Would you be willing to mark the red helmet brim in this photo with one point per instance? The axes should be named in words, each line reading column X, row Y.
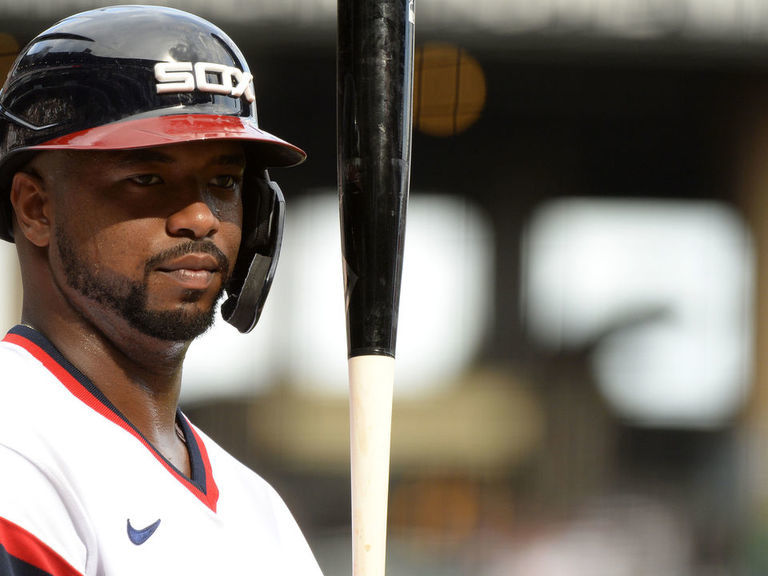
column 161, row 130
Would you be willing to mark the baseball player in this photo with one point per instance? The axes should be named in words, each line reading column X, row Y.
column 133, row 183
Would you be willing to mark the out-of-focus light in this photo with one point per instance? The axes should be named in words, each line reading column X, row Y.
column 310, row 296
column 448, row 90
column 612, row 536
column 660, row 291
column 9, row 48
column 445, row 294
column 10, row 287
column 225, row 363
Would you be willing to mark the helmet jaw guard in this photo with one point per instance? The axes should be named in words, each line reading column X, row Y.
column 127, row 77
column 257, row 260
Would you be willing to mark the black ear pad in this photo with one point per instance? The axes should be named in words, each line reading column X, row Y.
column 263, row 221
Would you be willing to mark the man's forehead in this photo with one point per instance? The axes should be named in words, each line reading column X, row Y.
column 204, row 152
column 199, row 154
column 212, row 152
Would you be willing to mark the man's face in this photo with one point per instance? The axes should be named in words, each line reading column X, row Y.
column 147, row 236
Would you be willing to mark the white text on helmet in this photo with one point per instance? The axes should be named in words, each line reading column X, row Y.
column 204, row 76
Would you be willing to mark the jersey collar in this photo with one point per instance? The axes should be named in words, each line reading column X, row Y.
column 201, row 483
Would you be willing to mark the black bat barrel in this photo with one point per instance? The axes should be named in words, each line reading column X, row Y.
column 374, row 92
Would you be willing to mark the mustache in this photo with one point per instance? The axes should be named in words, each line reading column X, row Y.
column 192, row 247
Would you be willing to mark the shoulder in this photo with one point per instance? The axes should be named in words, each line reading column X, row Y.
column 41, row 528
column 21, row 369
column 14, row 356
column 31, row 396
column 24, row 386
column 40, row 418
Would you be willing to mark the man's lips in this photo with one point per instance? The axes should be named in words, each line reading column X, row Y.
column 193, row 271
column 191, row 262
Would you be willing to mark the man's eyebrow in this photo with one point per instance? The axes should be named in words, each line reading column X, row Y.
column 229, row 159
column 132, row 157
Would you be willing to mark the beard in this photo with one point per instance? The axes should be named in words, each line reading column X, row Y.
column 128, row 298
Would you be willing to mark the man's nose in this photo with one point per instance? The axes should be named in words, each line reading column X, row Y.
column 196, row 218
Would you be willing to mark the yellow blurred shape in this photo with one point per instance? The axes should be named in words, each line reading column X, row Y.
column 446, row 507
column 449, row 89
column 9, row 49
column 482, row 425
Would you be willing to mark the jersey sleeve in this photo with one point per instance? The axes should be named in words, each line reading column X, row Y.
column 37, row 534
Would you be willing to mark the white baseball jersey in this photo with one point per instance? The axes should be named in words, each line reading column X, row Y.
column 82, row 492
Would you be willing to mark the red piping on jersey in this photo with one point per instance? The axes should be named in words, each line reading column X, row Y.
column 28, row 548
column 210, row 497
column 212, row 490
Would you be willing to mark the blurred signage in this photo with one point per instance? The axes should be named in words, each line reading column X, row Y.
column 716, row 19
column 626, row 18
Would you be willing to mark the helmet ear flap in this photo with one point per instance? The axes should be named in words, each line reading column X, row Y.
column 263, row 221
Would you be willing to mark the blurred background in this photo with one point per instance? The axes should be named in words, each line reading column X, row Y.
column 579, row 387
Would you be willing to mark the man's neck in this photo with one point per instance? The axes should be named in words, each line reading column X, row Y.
column 139, row 375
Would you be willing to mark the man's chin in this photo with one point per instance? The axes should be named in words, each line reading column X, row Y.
column 172, row 326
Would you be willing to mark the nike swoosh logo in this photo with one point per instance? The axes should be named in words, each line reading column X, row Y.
column 141, row 535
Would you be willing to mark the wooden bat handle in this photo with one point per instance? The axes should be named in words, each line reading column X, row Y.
column 374, row 99
column 371, row 381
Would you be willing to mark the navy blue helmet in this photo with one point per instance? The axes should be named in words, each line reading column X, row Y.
column 127, row 77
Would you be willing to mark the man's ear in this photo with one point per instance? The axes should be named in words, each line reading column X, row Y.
column 31, row 206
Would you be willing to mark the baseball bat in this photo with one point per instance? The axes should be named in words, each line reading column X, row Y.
column 374, row 111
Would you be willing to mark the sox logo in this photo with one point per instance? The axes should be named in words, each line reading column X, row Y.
column 204, row 76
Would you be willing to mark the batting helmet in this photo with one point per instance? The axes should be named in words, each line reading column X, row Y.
column 127, row 77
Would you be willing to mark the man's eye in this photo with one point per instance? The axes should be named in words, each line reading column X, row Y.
column 225, row 181
column 147, row 179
